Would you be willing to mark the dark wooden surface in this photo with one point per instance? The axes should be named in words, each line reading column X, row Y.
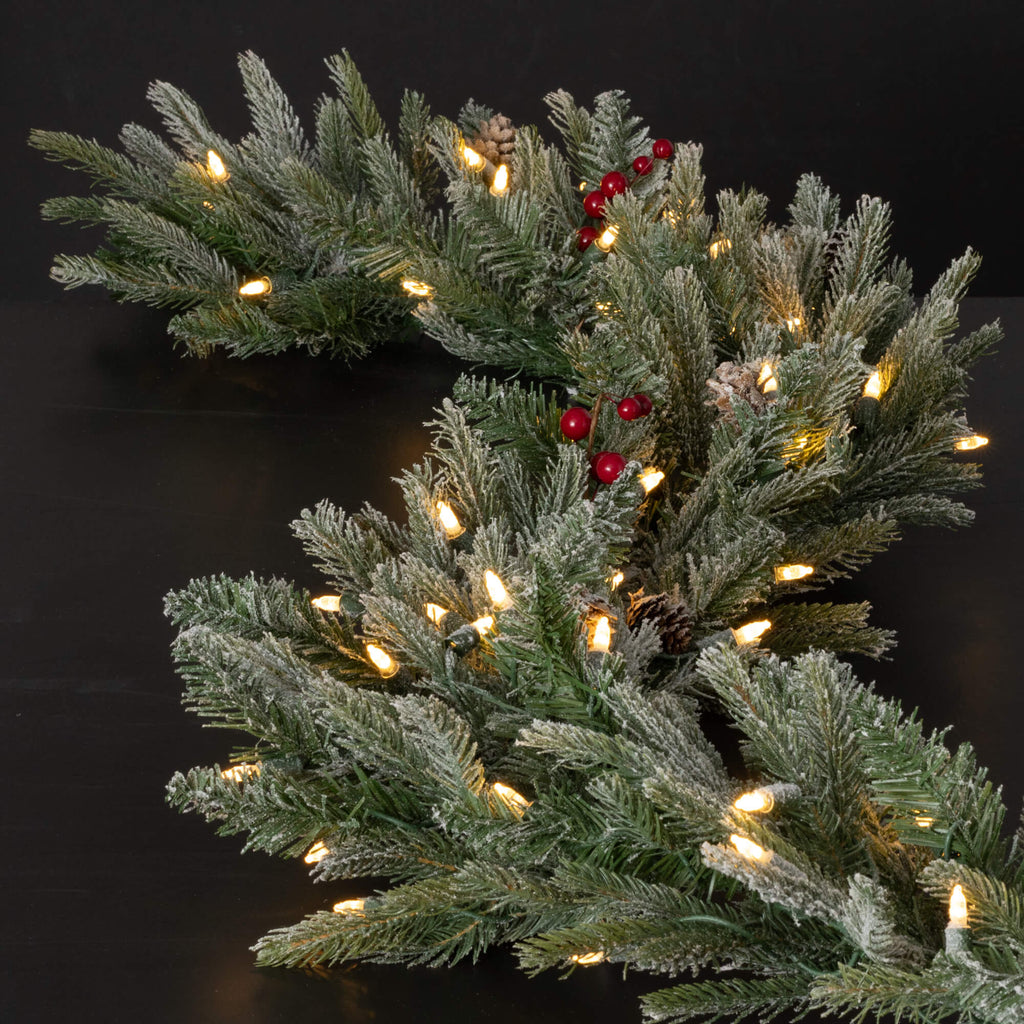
column 125, row 471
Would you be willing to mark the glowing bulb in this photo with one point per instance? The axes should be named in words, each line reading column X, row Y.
column 449, row 520
column 751, row 631
column 510, row 798
column 215, row 167
column 757, row 801
column 749, row 849
column 354, row 907
column 766, row 379
column 483, row 625
column 957, row 908
column 500, row 184
column 650, row 478
column 792, row 323
column 784, row 573
column 601, row 641
column 259, row 286
column 383, row 662
column 873, row 386
column 717, row 248
column 616, row 580
column 588, row 959
column 435, row 613
column 606, row 239
column 208, row 205
column 968, row 444
column 418, row 288
column 327, row 603
column 241, row 772
column 316, row 853
column 583, row 186
column 924, row 822
column 474, row 161
column 496, row 590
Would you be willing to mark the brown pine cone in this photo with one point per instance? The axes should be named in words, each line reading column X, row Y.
column 736, row 379
column 669, row 615
column 496, row 140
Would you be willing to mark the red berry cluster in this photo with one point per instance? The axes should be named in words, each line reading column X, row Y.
column 577, row 422
column 615, row 183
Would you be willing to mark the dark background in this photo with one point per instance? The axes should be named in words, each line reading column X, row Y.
column 126, row 470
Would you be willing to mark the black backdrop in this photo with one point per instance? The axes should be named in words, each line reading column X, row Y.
column 125, row 470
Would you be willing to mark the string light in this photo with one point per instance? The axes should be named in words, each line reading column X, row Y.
column 327, row 603
column 500, row 184
column 353, row 907
column 923, row 821
column 958, row 932
column 766, row 379
column 474, row 161
column 601, row 641
column 583, row 186
column 792, row 323
column 513, row 800
column 873, row 386
column 316, row 853
column 615, row 581
column 383, row 662
column 758, row 801
column 749, row 849
column 215, row 166
column 717, row 248
column 435, row 612
column 968, row 444
column 241, row 772
column 449, row 520
column 418, row 288
column 588, row 959
column 258, row 286
column 496, row 590
column 606, row 239
column 650, row 478
column 484, row 624
column 751, row 631
column 786, row 573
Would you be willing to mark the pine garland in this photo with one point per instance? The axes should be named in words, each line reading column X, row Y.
column 513, row 779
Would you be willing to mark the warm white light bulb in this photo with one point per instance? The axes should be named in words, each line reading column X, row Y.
column 957, row 908
column 749, row 849
column 418, row 288
column 383, row 662
column 606, row 239
column 254, row 288
column 327, row 603
column 602, row 638
column 717, row 248
column 500, row 184
column 616, row 580
column 766, row 379
column 241, row 772
column 496, row 590
column 484, row 624
column 968, row 444
column 474, row 161
column 785, row 573
column 873, row 386
column 353, row 907
column 923, row 821
column 650, row 478
column 449, row 520
column 757, row 801
column 316, row 853
column 588, row 959
column 751, row 631
column 510, row 798
column 435, row 612
column 215, row 166
column 792, row 323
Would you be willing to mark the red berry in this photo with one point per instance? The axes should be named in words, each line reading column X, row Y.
column 575, row 423
column 662, row 149
column 587, row 236
column 630, row 409
column 643, row 165
column 593, row 203
column 607, row 466
column 646, row 405
column 614, row 183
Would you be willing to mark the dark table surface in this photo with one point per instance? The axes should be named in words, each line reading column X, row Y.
column 127, row 470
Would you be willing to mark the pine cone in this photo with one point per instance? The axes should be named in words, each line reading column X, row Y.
column 496, row 140
column 736, row 379
column 669, row 615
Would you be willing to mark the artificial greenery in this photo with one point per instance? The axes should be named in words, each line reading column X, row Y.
column 510, row 784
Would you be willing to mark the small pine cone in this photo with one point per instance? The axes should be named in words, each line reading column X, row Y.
column 496, row 140
column 669, row 615
column 735, row 379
